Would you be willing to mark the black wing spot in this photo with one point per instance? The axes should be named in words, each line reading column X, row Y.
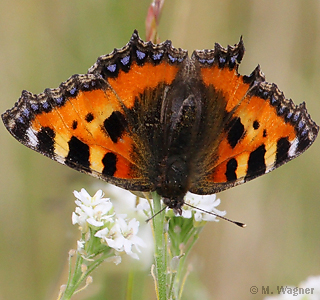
column 79, row 154
column 46, row 141
column 256, row 125
column 115, row 125
column 283, row 146
column 74, row 124
column 232, row 166
column 264, row 132
column 236, row 132
column 89, row 117
column 110, row 164
column 256, row 162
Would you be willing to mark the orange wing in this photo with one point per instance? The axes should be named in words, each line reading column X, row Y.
column 91, row 122
column 260, row 129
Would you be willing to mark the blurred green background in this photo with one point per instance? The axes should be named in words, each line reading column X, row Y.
column 45, row 42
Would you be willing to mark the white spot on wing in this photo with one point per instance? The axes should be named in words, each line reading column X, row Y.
column 33, row 139
column 293, row 148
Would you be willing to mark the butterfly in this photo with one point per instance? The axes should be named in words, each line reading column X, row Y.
column 147, row 117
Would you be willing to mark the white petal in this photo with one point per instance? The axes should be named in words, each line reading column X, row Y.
column 75, row 218
column 94, row 222
column 102, row 233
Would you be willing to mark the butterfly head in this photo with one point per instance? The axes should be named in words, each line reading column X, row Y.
column 174, row 204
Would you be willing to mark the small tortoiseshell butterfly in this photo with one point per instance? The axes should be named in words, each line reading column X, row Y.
column 147, row 117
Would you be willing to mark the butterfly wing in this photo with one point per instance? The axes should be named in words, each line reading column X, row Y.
column 101, row 123
column 110, row 123
column 260, row 129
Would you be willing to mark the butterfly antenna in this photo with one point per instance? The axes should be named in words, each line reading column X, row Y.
column 160, row 211
column 221, row 217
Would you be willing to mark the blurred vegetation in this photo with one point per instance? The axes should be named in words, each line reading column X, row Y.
column 45, row 42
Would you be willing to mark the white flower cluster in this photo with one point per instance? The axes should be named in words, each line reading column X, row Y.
column 95, row 216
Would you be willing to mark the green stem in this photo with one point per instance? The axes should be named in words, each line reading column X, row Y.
column 73, row 281
column 182, row 269
column 171, row 295
column 160, row 248
column 130, row 283
column 78, row 276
